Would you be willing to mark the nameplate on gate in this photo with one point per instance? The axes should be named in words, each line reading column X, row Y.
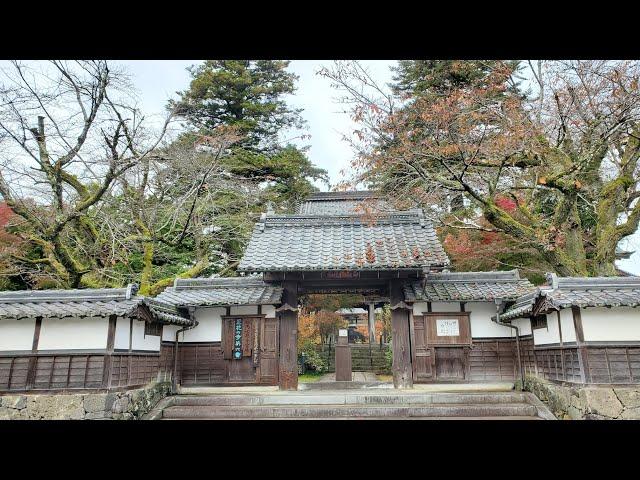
column 343, row 332
column 340, row 275
column 447, row 327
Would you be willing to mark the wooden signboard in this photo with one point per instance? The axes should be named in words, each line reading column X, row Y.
column 447, row 328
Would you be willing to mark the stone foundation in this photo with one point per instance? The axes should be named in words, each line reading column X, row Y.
column 587, row 402
column 127, row 405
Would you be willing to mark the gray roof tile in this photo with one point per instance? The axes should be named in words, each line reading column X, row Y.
column 396, row 240
column 221, row 291
column 565, row 292
column 95, row 302
column 100, row 302
column 468, row 286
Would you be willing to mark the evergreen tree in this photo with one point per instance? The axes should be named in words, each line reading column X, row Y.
column 247, row 94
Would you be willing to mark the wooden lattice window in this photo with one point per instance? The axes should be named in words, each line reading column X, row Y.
column 538, row 321
column 152, row 328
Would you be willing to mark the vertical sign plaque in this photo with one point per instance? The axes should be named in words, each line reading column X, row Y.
column 237, row 339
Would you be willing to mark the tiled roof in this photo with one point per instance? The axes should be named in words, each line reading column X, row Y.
column 468, row 286
column 592, row 292
column 95, row 302
column 396, row 240
column 523, row 306
column 337, row 203
column 221, row 291
column 166, row 313
column 565, row 292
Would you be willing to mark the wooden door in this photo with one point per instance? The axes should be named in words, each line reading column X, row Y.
column 423, row 358
column 268, row 358
column 239, row 363
column 450, row 363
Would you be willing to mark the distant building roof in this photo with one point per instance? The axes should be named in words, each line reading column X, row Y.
column 394, row 240
column 81, row 303
column 468, row 286
column 221, row 291
column 337, row 203
column 564, row 292
column 351, row 311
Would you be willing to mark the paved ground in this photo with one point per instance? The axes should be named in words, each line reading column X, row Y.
column 356, row 377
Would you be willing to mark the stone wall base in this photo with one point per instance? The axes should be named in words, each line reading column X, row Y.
column 126, row 405
column 587, row 402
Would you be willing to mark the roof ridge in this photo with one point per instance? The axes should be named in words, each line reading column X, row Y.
column 205, row 282
column 465, row 277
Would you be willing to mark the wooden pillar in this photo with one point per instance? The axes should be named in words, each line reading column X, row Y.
column 583, row 356
column 111, row 336
column 372, row 323
column 288, row 314
column 33, row 359
column 400, row 337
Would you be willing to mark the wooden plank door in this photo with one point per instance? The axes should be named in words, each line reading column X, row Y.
column 450, row 363
column 424, row 358
column 239, row 370
column 268, row 360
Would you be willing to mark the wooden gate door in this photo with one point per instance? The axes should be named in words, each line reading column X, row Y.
column 268, row 359
column 423, row 358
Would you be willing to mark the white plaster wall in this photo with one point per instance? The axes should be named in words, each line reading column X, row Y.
column 480, row 314
column 620, row 324
column 17, row 334
column 169, row 333
column 244, row 310
column 551, row 334
column 421, row 307
column 524, row 324
column 73, row 333
column 140, row 341
column 566, row 322
column 269, row 311
column 121, row 340
column 209, row 327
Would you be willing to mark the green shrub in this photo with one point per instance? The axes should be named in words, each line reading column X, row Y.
column 312, row 358
column 388, row 355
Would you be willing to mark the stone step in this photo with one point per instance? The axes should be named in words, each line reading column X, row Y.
column 349, row 398
column 349, row 411
column 512, row 418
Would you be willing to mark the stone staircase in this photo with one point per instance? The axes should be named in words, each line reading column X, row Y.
column 353, row 404
column 363, row 359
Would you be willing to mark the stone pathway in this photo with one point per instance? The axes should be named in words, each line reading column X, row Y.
column 356, row 377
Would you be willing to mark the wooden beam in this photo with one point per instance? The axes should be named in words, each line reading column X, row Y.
column 288, row 361
column 400, row 337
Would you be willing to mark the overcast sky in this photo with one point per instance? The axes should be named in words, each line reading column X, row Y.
column 159, row 80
